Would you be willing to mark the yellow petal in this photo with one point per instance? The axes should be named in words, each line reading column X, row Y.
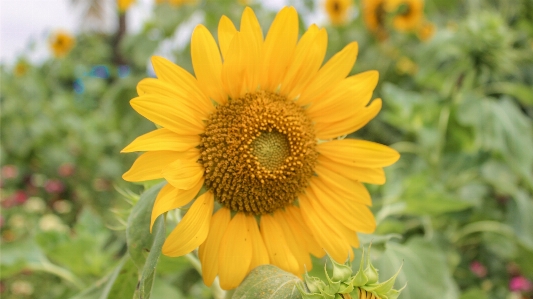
column 226, row 31
column 346, row 99
column 276, row 245
column 234, row 68
column 192, row 229
column 353, row 215
column 361, row 174
column 331, row 240
column 252, row 43
column 259, row 251
column 294, row 242
column 167, row 113
column 189, row 96
column 278, row 48
column 298, row 226
column 162, row 140
column 348, row 125
column 149, row 166
column 305, row 62
column 207, row 63
column 177, row 77
column 336, row 69
column 235, row 253
column 170, row 198
column 360, row 153
column 209, row 250
column 183, row 174
column 342, row 186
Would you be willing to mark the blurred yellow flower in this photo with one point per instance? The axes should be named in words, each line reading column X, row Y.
column 61, row 42
column 426, row 31
column 338, row 10
column 21, row 68
column 408, row 14
column 176, row 2
column 406, row 66
column 374, row 15
column 257, row 128
column 123, row 5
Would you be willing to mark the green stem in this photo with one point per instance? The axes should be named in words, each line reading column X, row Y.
column 483, row 226
column 58, row 271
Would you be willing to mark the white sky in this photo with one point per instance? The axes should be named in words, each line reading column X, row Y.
column 26, row 21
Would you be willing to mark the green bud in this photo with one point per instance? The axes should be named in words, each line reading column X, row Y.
column 360, row 278
column 314, row 284
column 345, row 288
column 386, row 286
column 333, row 286
column 341, row 272
column 370, row 271
column 305, row 295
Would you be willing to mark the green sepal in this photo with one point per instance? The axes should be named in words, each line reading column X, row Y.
column 306, row 295
column 393, row 294
column 384, row 287
column 333, row 286
column 346, row 288
column 360, row 278
column 338, row 296
column 370, row 271
column 341, row 272
column 314, row 284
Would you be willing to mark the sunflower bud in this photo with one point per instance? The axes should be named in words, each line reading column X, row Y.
column 341, row 285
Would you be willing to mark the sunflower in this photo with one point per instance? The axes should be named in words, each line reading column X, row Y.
column 123, row 5
column 176, row 2
column 253, row 137
column 61, row 43
column 374, row 15
column 21, row 68
column 338, row 10
column 426, row 31
column 409, row 14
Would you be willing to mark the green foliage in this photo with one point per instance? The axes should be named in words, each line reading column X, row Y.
column 268, row 282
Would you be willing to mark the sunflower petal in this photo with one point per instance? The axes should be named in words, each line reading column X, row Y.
column 162, row 140
column 170, row 198
column 252, row 43
column 360, row 174
column 192, row 229
column 259, row 251
column 193, row 99
column 293, row 241
column 354, row 215
column 207, row 63
column 278, row 48
column 226, row 32
column 298, row 226
column 332, row 241
column 149, row 166
column 360, row 153
column 346, row 99
column 349, row 125
column 183, row 174
column 305, row 62
column 208, row 251
column 235, row 253
column 182, row 80
column 342, row 186
column 278, row 249
column 336, row 69
column 167, row 113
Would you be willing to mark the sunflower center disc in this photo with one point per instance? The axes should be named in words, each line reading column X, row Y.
column 258, row 152
column 271, row 149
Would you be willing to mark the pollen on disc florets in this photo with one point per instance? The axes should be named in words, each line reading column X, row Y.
column 258, row 152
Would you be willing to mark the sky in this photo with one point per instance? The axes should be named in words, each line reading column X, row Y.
column 24, row 21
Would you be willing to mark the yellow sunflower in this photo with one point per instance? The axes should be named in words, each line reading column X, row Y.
column 409, row 14
column 176, row 2
column 426, row 31
column 61, row 43
column 374, row 15
column 253, row 137
column 123, row 5
column 21, row 68
column 338, row 10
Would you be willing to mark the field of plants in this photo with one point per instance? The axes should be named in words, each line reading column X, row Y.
column 454, row 217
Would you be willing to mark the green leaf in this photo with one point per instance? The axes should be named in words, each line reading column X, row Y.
column 424, row 268
column 138, row 230
column 519, row 218
column 144, row 287
column 268, row 282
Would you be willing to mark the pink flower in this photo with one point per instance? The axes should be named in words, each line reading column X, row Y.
column 478, row 269
column 9, row 171
column 20, row 197
column 54, row 186
column 66, row 169
column 520, row 284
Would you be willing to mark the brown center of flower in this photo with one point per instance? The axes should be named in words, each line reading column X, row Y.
column 259, row 152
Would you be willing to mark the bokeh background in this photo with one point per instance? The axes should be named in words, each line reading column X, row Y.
column 456, row 79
